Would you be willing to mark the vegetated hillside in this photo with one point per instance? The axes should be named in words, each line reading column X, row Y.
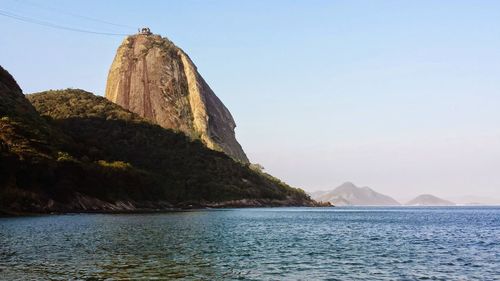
column 88, row 154
column 177, row 168
column 37, row 171
column 22, row 130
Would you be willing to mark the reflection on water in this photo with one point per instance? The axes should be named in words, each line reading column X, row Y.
column 458, row 243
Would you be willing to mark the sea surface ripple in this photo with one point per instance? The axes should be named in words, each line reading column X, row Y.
column 372, row 243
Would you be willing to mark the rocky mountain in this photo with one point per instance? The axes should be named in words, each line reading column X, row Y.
column 349, row 194
column 429, row 200
column 71, row 151
column 154, row 78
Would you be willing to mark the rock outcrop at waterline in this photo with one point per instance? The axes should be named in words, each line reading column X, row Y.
column 154, row 78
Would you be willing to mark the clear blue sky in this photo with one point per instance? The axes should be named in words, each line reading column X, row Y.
column 402, row 96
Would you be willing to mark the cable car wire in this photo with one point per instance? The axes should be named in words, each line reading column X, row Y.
column 49, row 24
column 56, row 10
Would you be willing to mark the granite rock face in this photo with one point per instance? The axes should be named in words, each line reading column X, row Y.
column 154, row 78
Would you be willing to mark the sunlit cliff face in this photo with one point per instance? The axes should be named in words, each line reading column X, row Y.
column 157, row 80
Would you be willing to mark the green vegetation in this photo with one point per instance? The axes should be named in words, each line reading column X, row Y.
column 186, row 169
column 78, row 145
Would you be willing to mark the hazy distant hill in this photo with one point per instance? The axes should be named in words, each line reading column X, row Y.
column 349, row 194
column 429, row 200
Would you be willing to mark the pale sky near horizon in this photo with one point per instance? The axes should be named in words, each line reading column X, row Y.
column 401, row 96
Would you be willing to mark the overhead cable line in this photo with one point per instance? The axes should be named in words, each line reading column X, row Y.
column 49, row 24
column 56, row 10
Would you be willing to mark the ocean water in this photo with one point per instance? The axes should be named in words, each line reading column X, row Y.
column 455, row 243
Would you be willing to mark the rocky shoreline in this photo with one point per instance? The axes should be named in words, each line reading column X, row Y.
column 85, row 204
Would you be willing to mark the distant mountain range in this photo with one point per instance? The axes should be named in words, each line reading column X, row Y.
column 429, row 200
column 348, row 194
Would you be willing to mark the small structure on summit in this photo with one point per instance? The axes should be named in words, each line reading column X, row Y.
column 145, row 31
